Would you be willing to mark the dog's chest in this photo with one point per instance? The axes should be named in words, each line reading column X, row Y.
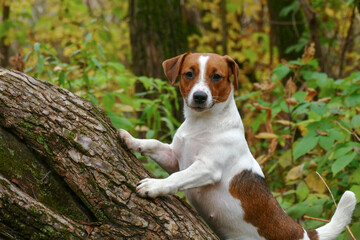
column 187, row 147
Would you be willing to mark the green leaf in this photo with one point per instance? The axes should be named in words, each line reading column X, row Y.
column 326, row 142
column 312, row 208
column 93, row 99
column 74, row 53
column 290, row 8
column 342, row 162
column 62, row 78
column 352, row 100
column 318, row 107
column 342, row 151
column 302, row 191
column 336, row 135
column 37, row 48
column 281, row 71
column 40, row 65
column 355, row 177
column 97, row 63
column 87, row 38
column 109, row 101
column 356, row 189
column 305, row 145
column 150, row 134
column 356, row 121
column 86, row 79
column 119, row 121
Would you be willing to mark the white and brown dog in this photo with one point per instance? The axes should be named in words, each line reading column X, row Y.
column 210, row 160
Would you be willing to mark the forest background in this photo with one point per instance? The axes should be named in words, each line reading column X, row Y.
column 300, row 77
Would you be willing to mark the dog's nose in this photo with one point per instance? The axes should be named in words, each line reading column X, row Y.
column 200, row 97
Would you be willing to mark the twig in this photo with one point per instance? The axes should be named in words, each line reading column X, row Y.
column 317, row 219
column 347, row 130
column 332, row 196
column 347, row 227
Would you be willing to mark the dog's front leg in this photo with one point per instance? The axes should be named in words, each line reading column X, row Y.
column 160, row 152
column 197, row 175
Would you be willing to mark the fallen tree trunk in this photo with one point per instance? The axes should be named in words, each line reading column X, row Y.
column 65, row 175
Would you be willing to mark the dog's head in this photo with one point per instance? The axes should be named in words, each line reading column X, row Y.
column 204, row 78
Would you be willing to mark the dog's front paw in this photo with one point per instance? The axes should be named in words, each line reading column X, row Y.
column 129, row 140
column 151, row 187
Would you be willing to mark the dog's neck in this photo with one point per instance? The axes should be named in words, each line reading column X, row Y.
column 221, row 114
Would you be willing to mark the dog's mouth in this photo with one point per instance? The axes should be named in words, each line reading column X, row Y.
column 200, row 108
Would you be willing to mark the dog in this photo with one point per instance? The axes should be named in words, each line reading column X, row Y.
column 210, row 161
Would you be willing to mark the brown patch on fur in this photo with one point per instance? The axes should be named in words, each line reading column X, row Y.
column 191, row 64
column 220, row 89
column 172, row 67
column 262, row 210
column 313, row 235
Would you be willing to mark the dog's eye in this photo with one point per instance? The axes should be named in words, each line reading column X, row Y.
column 216, row 77
column 189, row 75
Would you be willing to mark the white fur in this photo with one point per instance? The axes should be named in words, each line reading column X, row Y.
column 201, row 84
column 207, row 151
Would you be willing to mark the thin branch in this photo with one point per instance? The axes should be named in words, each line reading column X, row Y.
column 286, row 23
column 348, row 131
column 332, row 196
column 316, row 219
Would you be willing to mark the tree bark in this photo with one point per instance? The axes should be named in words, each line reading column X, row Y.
column 65, row 175
column 285, row 30
column 157, row 32
column 314, row 31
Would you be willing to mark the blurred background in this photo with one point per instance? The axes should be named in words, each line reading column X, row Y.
column 299, row 90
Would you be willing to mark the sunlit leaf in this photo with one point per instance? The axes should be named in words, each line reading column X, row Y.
column 342, row 162
column 305, row 145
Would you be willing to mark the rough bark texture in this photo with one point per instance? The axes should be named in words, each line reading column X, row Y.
column 314, row 26
column 158, row 32
column 65, row 175
column 285, row 30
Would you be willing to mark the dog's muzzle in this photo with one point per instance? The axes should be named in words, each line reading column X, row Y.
column 199, row 102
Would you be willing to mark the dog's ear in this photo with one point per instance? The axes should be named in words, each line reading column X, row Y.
column 234, row 69
column 172, row 67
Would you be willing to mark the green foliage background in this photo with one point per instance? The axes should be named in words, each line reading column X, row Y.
column 298, row 120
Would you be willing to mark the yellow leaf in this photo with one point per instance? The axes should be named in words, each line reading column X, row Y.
column 284, row 122
column 123, row 107
column 261, row 158
column 303, row 129
column 295, row 173
column 330, row 12
column 266, row 135
column 142, row 128
column 314, row 183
